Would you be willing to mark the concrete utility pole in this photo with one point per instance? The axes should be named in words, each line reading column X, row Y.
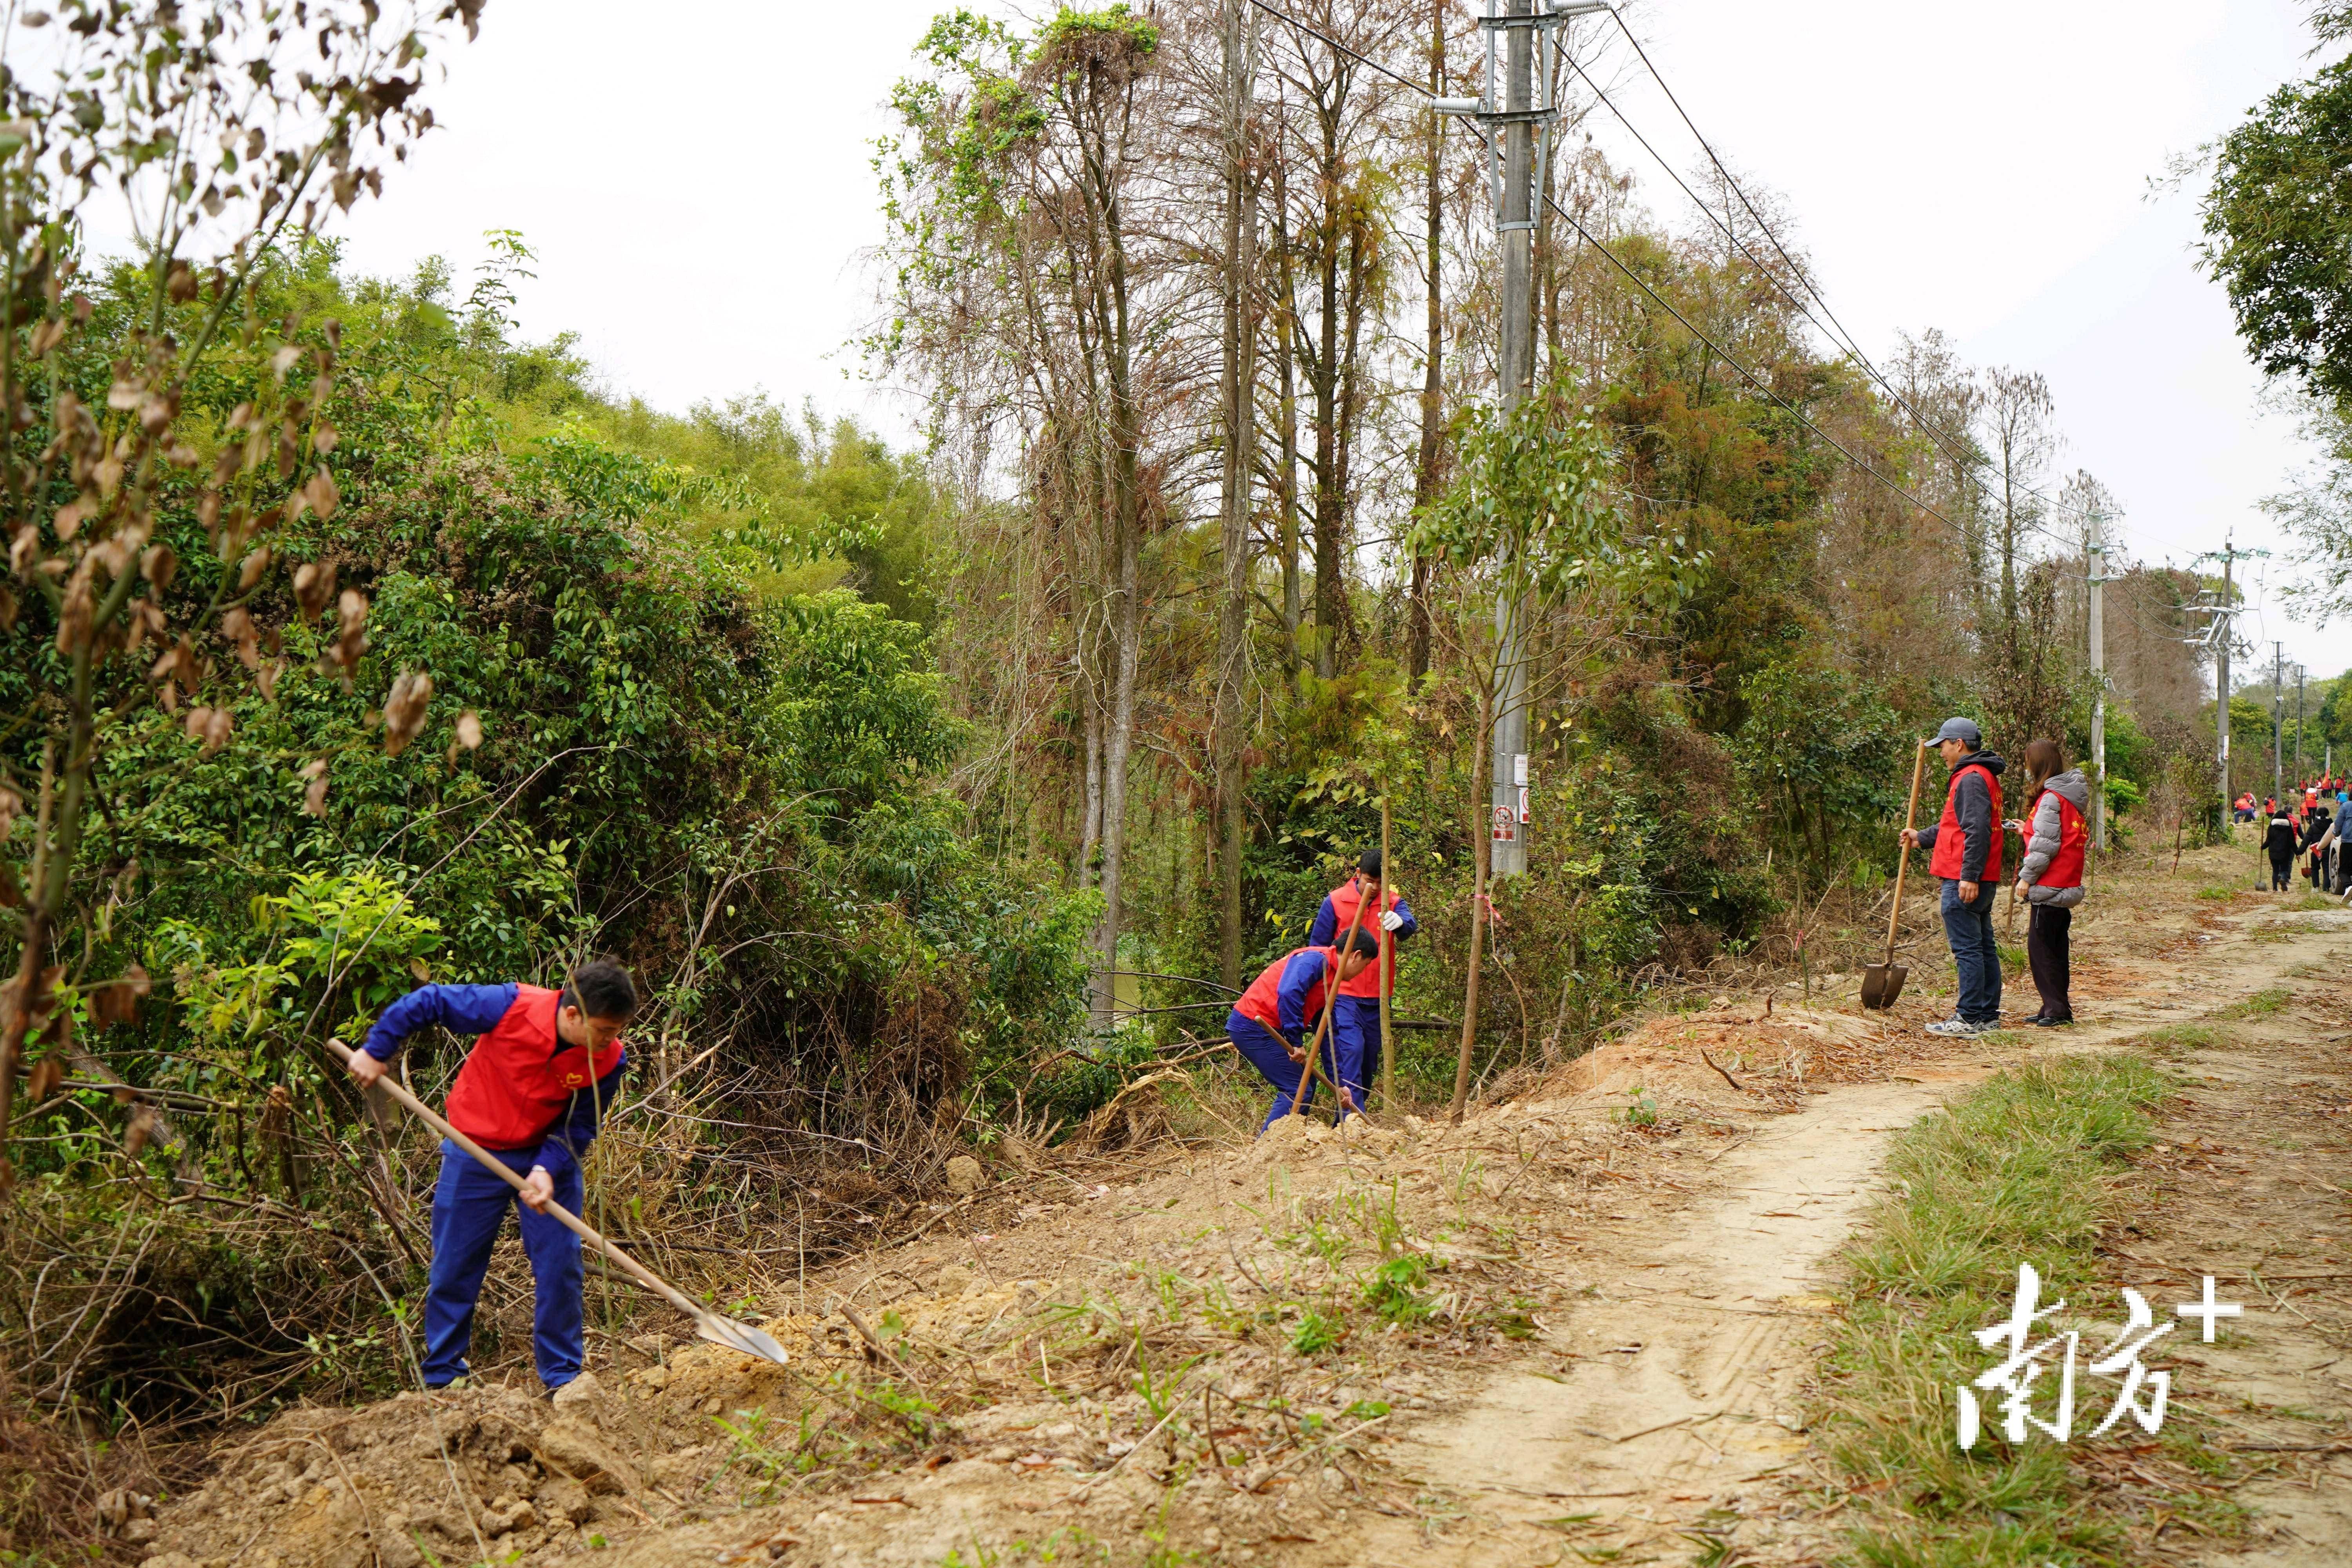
column 2278, row 724
column 1514, row 114
column 2223, row 633
column 2095, row 559
column 2221, row 686
column 2299, row 674
column 1516, row 219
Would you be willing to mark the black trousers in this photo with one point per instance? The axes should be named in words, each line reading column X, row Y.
column 2279, row 864
column 2046, row 955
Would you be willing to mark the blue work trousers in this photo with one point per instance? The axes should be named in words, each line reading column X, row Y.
column 1356, row 1032
column 1267, row 1052
column 1968, row 927
column 470, row 1205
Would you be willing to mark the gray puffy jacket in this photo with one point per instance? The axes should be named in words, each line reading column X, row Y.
column 2042, row 839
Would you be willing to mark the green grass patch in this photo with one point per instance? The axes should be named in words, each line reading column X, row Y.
column 2012, row 958
column 2026, row 1168
column 2190, row 1036
column 2261, row 1005
column 2217, row 891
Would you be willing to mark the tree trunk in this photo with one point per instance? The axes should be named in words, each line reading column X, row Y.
column 1433, row 383
column 1090, row 831
column 1482, row 852
column 1286, row 365
column 1323, row 385
column 1239, row 408
column 1106, row 160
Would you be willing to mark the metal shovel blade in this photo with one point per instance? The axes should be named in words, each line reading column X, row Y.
column 741, row 1336
column 1882, row 984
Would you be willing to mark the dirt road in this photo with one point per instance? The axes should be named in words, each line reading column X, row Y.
column 1557, row 1328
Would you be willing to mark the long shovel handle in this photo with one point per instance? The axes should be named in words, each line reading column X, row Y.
column 1903, row 863
column 570, row 1221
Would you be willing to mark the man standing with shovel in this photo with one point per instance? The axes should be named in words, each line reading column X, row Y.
column 532, row 1091
column 1965, row 854
column 1356, row 1014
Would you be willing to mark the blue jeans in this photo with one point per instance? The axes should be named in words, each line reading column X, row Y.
column 469, row 1206
column 1968, row 927
column 1264, row 1050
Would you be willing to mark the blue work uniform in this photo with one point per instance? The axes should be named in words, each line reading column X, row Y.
column 471, row 1204
column 1356, row 1026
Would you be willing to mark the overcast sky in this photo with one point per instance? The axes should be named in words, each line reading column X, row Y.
column 696, row 179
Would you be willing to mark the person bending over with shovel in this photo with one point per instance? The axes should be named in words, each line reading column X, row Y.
column 533, row 1089
column 1268, row 1025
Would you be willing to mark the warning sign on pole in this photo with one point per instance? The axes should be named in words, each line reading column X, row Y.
column 1506, row 829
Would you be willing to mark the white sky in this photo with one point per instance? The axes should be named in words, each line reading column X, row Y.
column 698, row 190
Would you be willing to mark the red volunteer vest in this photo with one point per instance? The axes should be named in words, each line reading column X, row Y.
column 2065, row 868
column 1263, row 1000
column 1951, row 843
column 519, row 1077
column 1344, row 900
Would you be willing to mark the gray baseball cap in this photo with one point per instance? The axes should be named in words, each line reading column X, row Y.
column 1964, row 731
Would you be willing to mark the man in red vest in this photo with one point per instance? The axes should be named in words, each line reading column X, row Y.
column 1356, row 1026
column 1965, row 854
column 531, row 1092
column 1270, row 1024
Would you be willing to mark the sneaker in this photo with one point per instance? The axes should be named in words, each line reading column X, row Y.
column 2040, row 1022
column 1955, row 1028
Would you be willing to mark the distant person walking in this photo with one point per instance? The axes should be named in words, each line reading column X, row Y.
column 2279, row 841
column 2317, row 821
column 2050, row 878
column 1965, row 855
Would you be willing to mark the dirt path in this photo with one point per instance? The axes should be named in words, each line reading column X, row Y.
column 1696, row 1402
column 1611, row 1348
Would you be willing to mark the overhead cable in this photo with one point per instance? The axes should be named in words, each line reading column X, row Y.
column 1745, row 373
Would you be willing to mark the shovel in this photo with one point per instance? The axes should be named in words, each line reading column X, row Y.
column 1883, row 982
column 719, row 1330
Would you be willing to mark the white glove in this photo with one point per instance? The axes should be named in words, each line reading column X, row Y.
column 1391, row 920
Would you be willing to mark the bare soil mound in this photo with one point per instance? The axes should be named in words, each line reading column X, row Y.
column 1746, row 1055
column 471, row 1475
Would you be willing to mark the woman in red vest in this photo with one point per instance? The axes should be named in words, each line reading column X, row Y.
column 2050, row 879
column 531, row 1092
column 1270, row 1024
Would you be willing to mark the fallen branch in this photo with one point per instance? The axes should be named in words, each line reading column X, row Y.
column 1725, row 1071
column 885, row 1351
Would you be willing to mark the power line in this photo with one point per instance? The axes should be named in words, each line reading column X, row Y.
column 1551, row 201
column 1846, row 340
column 1839, row 337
